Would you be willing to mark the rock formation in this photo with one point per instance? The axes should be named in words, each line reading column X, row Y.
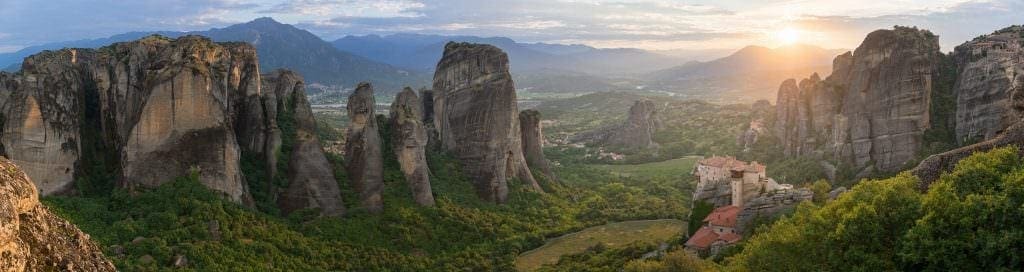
column 636, row 133
column 164, row 107
column 533, row 143
column 990, row 85
column 476, row 117
column 311, row 182
column 872, row 111
column 34, row 239
column 718, row 193
column 409, row 141
column 363, row 157
column 932, row 167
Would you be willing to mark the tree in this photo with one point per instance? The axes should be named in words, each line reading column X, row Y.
column 821, row 188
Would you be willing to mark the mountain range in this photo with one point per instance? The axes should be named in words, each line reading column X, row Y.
column 393, row 61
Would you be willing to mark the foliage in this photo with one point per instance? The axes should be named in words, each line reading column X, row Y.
column 599, row 258
column 675, row 261
column 701, row 210
column 970, row 219
column 821, row 189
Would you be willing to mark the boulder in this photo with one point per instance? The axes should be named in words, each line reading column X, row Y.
column 409, row 141
column 476, row 116
column 34, row 239
column 363, row 157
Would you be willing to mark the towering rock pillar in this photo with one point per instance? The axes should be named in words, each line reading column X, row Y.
column 477, row 118
column 409, row 141
column 363, row 160
column 533, row 143
column 311, row 182
column 990, row 85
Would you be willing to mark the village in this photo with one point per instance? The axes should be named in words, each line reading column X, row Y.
column 738, row 192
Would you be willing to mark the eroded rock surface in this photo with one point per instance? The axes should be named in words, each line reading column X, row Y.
column 409, row 141
column 477, row 119
column 161, row 108
column 533, row 143
column 34, row 239
column 770, row 205
column 363, row 157
column 872, row 111
column 990, row 85
column 311, row 182
column 636, row 133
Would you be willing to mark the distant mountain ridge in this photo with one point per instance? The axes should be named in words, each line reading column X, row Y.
column 279, row 46
column 418, row 52
column 751, row 71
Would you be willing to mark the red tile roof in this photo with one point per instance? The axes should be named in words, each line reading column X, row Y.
column 723, row 216
column 703, row 238
column 732, row 163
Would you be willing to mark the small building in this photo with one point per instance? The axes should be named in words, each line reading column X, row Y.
column 719, row 231
column 747, row 180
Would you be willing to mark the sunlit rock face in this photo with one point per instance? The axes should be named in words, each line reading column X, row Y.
column 161, row 108
column 477, row 119
column 34, row 239
column 872, row 111
column 363, row 157
column 409, row 141
column 990, row 85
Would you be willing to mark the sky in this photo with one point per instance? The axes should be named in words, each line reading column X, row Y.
column 646, row 24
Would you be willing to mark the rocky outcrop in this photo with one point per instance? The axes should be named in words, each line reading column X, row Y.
column 311, row 182
column 476, row 117
column 770, row 205
column 533, row 143
column 363, row 157
column 718, row 193
column 409, row 141
column 34, row 239
column 990, row 84
column 161, row 108
column 932, row 167
column 636, row 133
column 872, row 111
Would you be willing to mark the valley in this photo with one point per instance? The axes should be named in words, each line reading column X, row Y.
column 355, row 144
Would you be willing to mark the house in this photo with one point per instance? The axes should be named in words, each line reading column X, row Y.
column 746, row 180
column 718, row 232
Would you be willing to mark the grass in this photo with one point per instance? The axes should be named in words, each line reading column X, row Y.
column 611, row 235
column 669, row 168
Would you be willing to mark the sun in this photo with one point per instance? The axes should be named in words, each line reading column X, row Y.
column 788, row 35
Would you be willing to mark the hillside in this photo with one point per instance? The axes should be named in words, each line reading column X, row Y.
column 750, row 72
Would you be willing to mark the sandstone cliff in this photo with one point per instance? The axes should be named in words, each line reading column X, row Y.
column 990, row 85
column 636, row 133
column 476, row 117
column 409, row 141
column 162, row 107
column 872, row 111
column 363, row 157
column 533, row 143
column 311, row 182
column 770, row 205
column 34, row 239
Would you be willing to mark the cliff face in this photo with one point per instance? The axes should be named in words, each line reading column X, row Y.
column 477, row 118
column 874, row 108
column 363, row 157
column 34, row 239
column 409, row 141
column 990, row 84
column 163, row 107
column 533, row 143
column 311, row 182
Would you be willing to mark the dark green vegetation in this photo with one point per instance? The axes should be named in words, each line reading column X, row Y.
column 461, row 233
column 969, row 219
